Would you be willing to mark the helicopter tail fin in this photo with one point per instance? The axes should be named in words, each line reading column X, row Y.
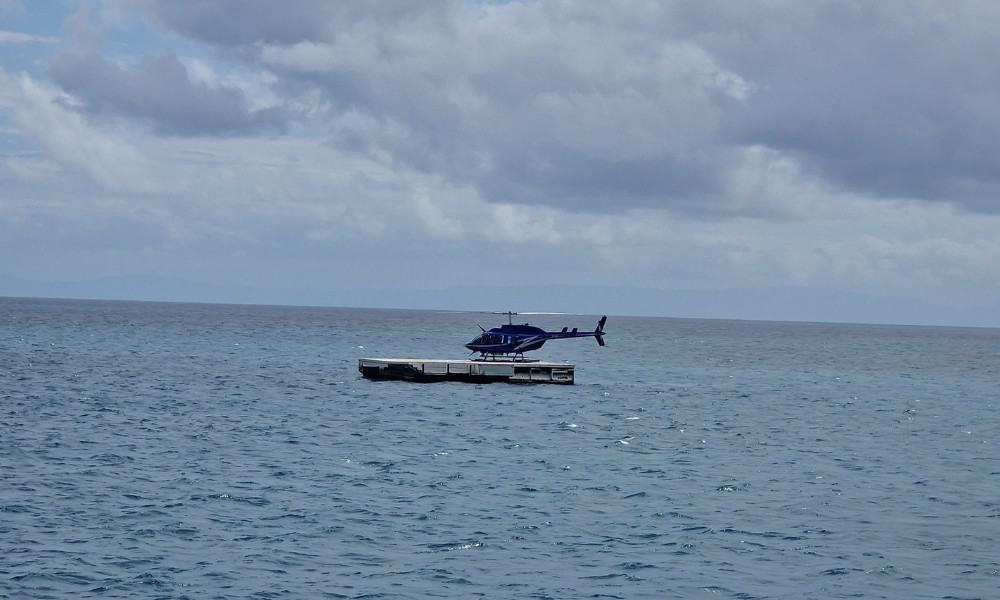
column 599, row 332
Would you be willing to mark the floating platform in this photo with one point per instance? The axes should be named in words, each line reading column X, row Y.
column 471, row 371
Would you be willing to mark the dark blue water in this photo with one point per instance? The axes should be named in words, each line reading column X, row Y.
column 206, row 451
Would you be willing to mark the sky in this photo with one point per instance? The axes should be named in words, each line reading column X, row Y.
column 787, row 160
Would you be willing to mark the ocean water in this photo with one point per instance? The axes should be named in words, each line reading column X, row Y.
column 154, row 450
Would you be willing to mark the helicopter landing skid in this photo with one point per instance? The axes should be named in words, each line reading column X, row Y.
column 518, row 358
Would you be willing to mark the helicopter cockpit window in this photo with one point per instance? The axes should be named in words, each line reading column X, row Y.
column 488, row 339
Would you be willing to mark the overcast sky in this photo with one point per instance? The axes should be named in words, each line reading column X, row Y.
column 392, row 153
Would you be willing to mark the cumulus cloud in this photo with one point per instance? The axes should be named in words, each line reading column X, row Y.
column 529, row 103
column 158, row 90
column 891, row 98
column 601, row 106
column 39, row 116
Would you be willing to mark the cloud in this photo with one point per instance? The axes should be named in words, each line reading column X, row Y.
column 158, row 90
column 291, row 211
column 234, row 22
column 891, row 99
column 247, row 22
column 501, row 97
column 15, row 38
column 69, row 142
column 605, row 107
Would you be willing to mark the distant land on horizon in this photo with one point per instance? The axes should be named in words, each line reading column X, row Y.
column 767, row 304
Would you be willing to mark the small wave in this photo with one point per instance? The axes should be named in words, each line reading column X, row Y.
column 454, row 546
column 110, row 458
column 733, row 487
column 66, row 577
column 150, row 580
column 251, row 500
column 636, row 566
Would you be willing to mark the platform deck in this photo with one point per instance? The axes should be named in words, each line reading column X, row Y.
column 472, row 371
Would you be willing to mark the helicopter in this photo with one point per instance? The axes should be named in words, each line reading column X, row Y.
column 518, row 339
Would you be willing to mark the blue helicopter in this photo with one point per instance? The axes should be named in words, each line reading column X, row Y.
column 518, row 339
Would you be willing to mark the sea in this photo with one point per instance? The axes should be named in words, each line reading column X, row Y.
column 167, row 450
